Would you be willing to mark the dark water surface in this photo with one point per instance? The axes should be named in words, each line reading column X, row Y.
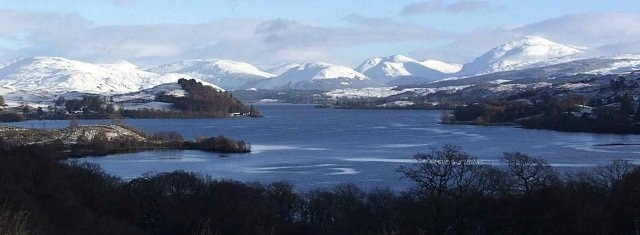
column 323, row 147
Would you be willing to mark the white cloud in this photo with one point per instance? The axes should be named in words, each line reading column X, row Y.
column 433, row 6
column 255, row 41
column 605, row 33
column 628, row 47
column 591, row 29
column 271, row 42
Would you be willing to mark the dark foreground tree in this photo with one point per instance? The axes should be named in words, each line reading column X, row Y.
column 451, row 177
column 526, row 174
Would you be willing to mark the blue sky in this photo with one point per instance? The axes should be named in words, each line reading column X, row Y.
column 269, row 33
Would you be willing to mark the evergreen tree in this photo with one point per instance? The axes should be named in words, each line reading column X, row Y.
column 626, row 107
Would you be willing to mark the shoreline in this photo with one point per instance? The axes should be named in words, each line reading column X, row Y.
column 101, row 140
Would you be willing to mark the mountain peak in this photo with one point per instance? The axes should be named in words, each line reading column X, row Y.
column 535, row 40
column 322, row 70
column 398, row 59
column 387, row 69
column 318, row 75
column 319, row 65
column 525, row 52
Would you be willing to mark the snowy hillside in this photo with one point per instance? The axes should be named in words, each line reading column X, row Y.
column 230, row 75
column 618, row 64
column 282, row 68
column 146, row 98
column 41, row 79
column 528, row 52
column 318, row 75
column 59, row 75
column 441, row 66
column 603, row 65
column 386, row 69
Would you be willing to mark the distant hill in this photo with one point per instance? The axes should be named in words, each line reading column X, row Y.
column 319, row 76
column 527, row 52
column 228, row 74
column 387, row 69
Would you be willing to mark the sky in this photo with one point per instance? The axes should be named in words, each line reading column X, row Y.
column 271, row 33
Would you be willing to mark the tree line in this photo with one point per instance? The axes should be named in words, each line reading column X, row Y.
column 206, row 101
column 454, row 193
column 568, row 113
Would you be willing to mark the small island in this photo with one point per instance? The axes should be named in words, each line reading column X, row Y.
column 98, row 140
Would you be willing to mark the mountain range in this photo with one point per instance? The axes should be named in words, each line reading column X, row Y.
column 527, row 57
column 231, row 75
column 388, row 69
column 318, row 75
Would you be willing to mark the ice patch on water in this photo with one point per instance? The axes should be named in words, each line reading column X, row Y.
column 451, row 132
column 344, row 171
column 300, row 169
column 260, row 148
column 403, row 145
column 621, row 149
column 577, row 165
column 160, row 160
column 390, row 160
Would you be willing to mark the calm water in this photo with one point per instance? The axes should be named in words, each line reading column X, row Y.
column 323, row 147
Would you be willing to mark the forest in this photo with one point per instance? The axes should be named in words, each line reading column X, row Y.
column 454, row 193
column 573, row 113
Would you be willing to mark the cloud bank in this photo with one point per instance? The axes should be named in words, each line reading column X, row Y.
column 277, row 41
column 257, row 41
column 602, row 33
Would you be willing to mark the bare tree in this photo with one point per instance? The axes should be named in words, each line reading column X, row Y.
column 450, row 173
column 526, row 173
column 609, row 175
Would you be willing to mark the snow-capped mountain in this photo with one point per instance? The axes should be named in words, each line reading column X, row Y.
column 527, row 52
column 230, row 75
column 529, row 59
column 39, row 79
column 318, row 75
column 550, row 73
column 387, row 69
column 58, row 75
column 441, row 66
column 282, row 68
